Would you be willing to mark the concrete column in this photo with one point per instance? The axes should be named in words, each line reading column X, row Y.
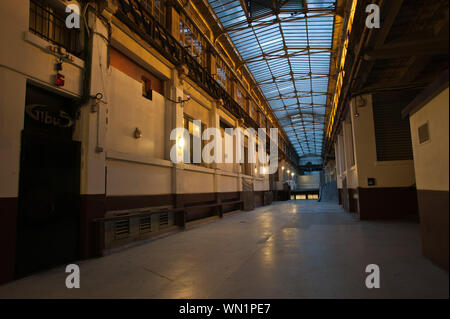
column 391, row 196
column 12, row 102
column 214, row 122
column 91, row 132
column 175, row 117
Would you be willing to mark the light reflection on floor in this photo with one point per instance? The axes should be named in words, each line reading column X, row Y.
column 294, row 249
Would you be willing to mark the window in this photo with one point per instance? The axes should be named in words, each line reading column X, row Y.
column 147, row 88
column 49, row 23
column 192, row 40
column 246, row 167
column 223, row 74
column 156, row 8
column 240, row 98
column 188, row 124
column 424, row 133
column 253, row 111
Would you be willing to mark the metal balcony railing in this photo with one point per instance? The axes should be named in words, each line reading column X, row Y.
column 142, row 22
column 49, row 24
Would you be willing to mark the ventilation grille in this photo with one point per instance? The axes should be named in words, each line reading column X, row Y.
column 122, row 228
column 163, row 220
column 145, row 224
column 392, row 132
column 424, row 133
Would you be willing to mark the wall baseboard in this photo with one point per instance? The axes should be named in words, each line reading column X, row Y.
column 434, row 224
column 8, row 234
column 386, row 203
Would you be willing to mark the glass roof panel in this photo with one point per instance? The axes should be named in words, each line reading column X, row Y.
column 289, row 56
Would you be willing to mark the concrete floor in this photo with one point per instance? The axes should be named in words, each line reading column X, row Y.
column 297, row 249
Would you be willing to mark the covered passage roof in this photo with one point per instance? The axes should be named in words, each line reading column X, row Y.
column 286, row 44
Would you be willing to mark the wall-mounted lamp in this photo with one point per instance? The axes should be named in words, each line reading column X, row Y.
column 180, row 100
column 137, row 133
column 282, row 168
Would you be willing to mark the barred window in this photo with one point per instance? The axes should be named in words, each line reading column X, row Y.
column 157, row 8
column 240, row 97
column 49, row 23
column 193, row 40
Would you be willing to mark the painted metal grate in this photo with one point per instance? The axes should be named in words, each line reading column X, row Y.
column 145, row 224
column 122, row 228
column 163, row 220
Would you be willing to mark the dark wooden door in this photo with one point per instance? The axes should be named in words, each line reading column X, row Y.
column 49, row 215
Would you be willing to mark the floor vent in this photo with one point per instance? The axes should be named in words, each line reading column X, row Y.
column 145, row 224
column 122, row 228
column 163, row 220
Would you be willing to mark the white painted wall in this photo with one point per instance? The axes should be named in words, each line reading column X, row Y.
column 431, row 158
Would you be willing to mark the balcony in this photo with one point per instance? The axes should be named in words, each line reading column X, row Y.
column 49, row 23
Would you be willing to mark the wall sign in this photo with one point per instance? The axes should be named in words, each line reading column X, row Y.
column 46, row 115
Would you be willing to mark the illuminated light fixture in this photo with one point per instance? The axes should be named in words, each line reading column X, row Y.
column 180, row 142
column 289, row 171
column 282, row 168
column 256, row 170
column 341, row 74
column 292, row 174
column 60, row 80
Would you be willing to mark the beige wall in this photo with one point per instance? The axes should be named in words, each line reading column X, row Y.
column 24, row 57
column 12, row 108
column 387, row 174
column 128, row 110
column 134, row 166
column 128, row 178
column 431, row 158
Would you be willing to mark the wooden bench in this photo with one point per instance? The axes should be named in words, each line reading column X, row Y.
column 218, row 211
column 233, row 202
column 218, row 206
